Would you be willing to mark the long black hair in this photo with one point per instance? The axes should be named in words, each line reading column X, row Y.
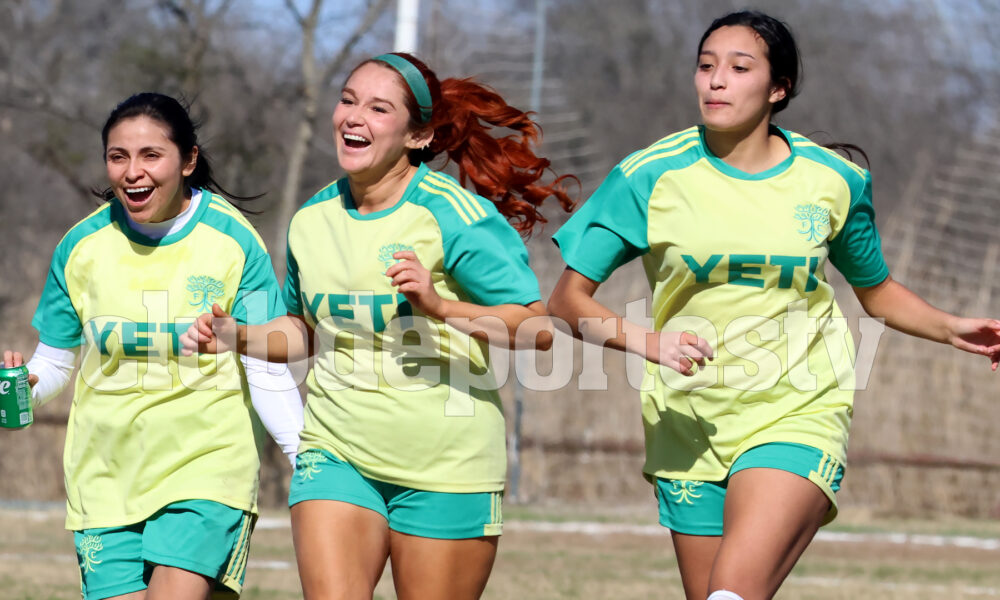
column 181, row 130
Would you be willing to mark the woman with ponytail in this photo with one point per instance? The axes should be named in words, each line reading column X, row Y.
column 749, row 387
column 398, row 280
column 161, row 461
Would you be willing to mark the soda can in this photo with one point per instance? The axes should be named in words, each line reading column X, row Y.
column 15, row 398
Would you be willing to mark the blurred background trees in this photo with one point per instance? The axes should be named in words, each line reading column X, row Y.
column 910, row 81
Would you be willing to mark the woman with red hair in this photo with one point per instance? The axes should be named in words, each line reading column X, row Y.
column 398, row 279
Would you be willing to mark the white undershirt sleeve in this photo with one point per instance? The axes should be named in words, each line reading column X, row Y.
column 54, row 368
column 276, row 399
column 273, row 391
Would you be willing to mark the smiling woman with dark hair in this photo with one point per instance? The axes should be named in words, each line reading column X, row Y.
column 161, row 459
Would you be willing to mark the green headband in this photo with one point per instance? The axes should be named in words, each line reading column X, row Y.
column 414, row 79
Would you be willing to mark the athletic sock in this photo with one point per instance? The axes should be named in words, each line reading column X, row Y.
column 724, row 595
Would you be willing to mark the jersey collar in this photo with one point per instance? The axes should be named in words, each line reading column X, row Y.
column 735, row 173
column 345, row 191
column 118, row 214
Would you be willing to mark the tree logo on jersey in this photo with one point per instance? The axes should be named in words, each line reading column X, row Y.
column 89, row 547
column 204, row 291
column 815, row 221
column 307, row 464
column 385, row 253
column 684, row 491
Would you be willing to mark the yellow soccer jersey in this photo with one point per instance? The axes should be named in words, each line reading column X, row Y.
column 738, row 259
column 148, row 427
column 404, row 399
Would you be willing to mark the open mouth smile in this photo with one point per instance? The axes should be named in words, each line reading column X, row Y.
column 139, row 195
column 353, row 140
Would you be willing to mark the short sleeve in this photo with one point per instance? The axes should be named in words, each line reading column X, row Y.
column 490, row 263
column 856, row 251
column 290, row 293
column 259, row 297
column 56, row 319
column 608, row 231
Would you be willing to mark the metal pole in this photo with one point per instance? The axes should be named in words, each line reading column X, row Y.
column 539, row 58
column 407, row 12
column 514, row 491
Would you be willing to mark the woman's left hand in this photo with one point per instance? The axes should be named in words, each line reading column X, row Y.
column 413, row 280
column 978, row 336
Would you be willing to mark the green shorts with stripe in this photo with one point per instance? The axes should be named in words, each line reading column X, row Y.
column 201, row 536
column 319, row 475
column 696, row 507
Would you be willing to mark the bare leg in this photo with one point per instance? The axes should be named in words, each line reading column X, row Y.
column 171, row 583
column 695, row 556
column 432, row 569
column 340, row 548
column 770, row 518
column 140, row 595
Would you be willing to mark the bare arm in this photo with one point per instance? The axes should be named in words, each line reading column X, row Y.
column 284, row 339
column 281, row 340
column 573, row 301
column 516, row 326
column 907, row 312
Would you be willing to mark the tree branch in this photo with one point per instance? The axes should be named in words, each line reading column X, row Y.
column 175, row 9
column 295, row 13
column 367, row 22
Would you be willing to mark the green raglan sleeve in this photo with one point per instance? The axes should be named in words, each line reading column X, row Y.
column 490, row 262
column 608, row 231
column 856, row 250
column 291, row 292
column 259, row 297
column 56, row 319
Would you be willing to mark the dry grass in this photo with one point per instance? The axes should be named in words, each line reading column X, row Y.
column 38, row 561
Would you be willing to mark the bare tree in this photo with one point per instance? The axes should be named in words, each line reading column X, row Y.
column 197, row 22
column 315, row 77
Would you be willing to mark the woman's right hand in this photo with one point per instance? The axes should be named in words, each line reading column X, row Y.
column 680, row 351
column 211, row 333
column 16, row 359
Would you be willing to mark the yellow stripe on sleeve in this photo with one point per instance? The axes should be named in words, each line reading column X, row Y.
column 448, row 196
column 97, row 211
column 465, row 197
column 665, row 143
column 628, row 172
column 246, row 224
column 221, row 203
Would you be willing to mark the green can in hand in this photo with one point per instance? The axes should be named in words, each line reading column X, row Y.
column 15, row 398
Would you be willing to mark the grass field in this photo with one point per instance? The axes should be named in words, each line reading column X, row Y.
column 576, row 553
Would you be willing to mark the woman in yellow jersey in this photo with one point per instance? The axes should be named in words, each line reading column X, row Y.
column 750, row 379
column 161, row 459
column 403, row 278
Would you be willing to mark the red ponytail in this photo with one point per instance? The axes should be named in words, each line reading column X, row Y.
column 503, row 169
